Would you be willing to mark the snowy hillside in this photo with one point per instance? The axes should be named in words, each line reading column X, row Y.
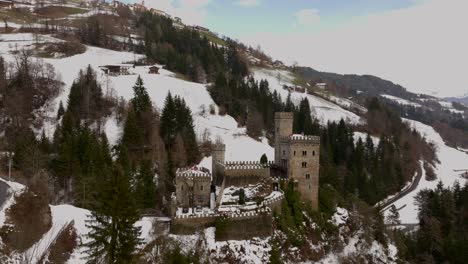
column 324, row 110
column 450, row 159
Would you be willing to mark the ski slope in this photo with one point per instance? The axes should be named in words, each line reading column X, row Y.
column 450, row 160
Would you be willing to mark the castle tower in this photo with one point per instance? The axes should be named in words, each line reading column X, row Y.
column 218, row 156
column 303, row 167
column 283, row 129
column 299, row 156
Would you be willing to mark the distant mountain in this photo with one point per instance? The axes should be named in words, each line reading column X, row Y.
column 463, row 100
column 366, row 84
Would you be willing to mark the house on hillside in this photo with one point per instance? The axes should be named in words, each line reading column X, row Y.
column 139, row 7
column 178, row 19
column 200, row 28
column 321, row 86
column 278, row 64
column 117, row 69
column 7, row 4
column 158, row 12
column 153, row 70
column 117, row 4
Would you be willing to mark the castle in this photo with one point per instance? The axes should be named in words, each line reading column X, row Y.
column 296, row 160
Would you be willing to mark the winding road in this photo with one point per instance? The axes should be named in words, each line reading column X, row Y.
column 401, row 194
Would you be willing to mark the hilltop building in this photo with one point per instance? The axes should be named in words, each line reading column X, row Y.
column 296, row 160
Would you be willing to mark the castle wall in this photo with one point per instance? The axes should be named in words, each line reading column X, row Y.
column 236, row 227
column 243, row 175
column 247, row 226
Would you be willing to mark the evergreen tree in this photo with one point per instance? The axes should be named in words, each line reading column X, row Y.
column 264, row 159
column 113, row 236
column 168, row 122
column 141, row 101
column 394, row 216
column 145, row 190
column 60, row 111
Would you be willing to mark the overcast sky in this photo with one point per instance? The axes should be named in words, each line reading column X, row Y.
column 420, row 44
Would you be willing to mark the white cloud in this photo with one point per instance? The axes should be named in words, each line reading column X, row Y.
column 424, row 47
column 191, row 11
column 248, row 3
column 307, row 17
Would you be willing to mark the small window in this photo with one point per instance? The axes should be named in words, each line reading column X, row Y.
column 307, row 176
column 309, row 186
column 294, row 153
column 313, row 153
column 304, row 153
column 304, row 164
column 284, row 152
column 201, row 188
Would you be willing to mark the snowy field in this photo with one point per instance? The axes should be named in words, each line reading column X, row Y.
column 400, row 100
column 450, row 159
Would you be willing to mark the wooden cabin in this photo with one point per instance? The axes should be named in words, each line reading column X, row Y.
column 153, row 70
column 116, row 69
column 7, row 4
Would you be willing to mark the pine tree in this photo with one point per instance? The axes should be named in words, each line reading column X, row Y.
column 113, row 236
column 264, row 159
column 394, row 217
column 168, row 122
column 141, row 101
column 145, row 187
column 60, row 111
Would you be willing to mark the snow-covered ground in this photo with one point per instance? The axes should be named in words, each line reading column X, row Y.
column 363, row 137
column 13, row 188
column 400, row 100
column 450, row 159
column 253, row 251
column 238, row 145
column 322, row 109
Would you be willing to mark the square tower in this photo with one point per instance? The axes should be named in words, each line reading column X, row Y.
column 299, row 156
column 303, row 166
column 283, row 129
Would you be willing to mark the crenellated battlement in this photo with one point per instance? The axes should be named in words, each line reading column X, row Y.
column 298, row 138
column 235, row 163
column 193, row 172
column 247, row 165
column 284, row 115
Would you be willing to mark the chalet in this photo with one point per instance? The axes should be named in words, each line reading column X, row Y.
column 200, row 28
column 158, row 12
column 299, row 89
column 139, row 7
column 6, row 4
column 117, row 4
column 153, row 70
column 322, row 86
column 278, row 64
column 116, row 69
